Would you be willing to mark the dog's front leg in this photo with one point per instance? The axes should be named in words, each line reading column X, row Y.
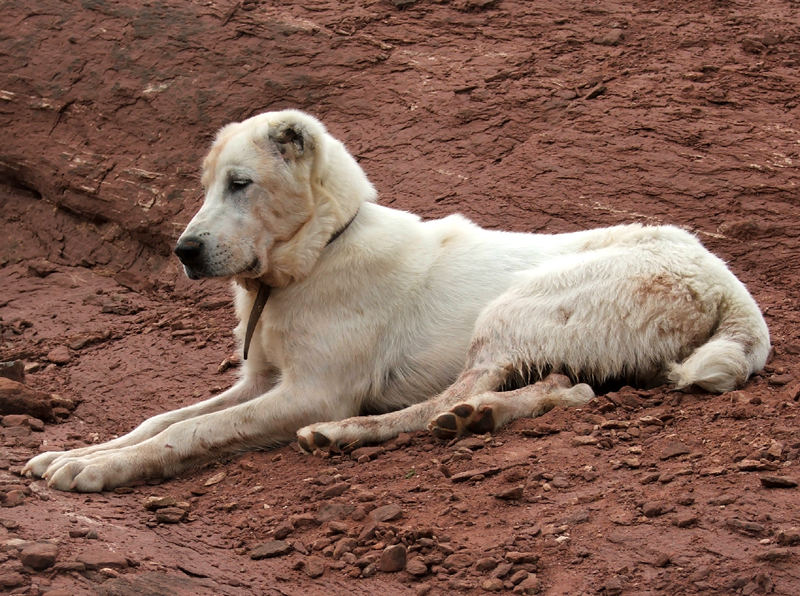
column 267, row 420
column 243, row 391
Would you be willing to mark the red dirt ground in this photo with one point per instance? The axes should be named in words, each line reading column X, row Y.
column 522, row 115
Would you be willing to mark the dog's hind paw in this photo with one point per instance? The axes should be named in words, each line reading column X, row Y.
column 313, row 438
column 462, row 419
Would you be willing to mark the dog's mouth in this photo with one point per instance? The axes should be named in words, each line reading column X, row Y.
column 195, row 273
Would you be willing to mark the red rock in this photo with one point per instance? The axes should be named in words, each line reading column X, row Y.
column 39, row 555
column 97, row 557
column 393, row 558
column 59, row 355
column 268, row 550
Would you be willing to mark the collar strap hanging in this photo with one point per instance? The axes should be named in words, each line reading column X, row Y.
column 263, row 295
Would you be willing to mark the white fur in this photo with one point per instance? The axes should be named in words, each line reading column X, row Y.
column 386, row 315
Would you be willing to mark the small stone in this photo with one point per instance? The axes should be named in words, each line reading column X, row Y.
column 457, row 561
column 35, row 424
column 493, row 584
column 314, row 567
column 780, row 380
column 39, row 555
column 486, row 564
column 775, row 554
column 11, row 579
column 582, row 440
column 343, row 546
column 685, row 520
column 613, row 587
column 268, row 550
column 14, row 370
column 662, row 560
column 393, row 558
column 59, row 355
column 517, row 577
column 170, row 515
column 12, row 420
column 78, row 532
column 530, row 585
column 522, row 557
column 13, row 498
column 417, row 567
column 97, row 557
column 652, row 509
column 335, row 490
column 387, row 513
column 153, row 502
column 752, row 465
column 511, row 494
column 747, row 528
column 789, row 536
column 611, row 37
column 674, row 449
column 778, row 482
column 215, row 479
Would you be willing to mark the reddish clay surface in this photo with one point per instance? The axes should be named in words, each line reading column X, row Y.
column 522, row 114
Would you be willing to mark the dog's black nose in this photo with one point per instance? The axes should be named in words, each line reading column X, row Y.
column 189, row 250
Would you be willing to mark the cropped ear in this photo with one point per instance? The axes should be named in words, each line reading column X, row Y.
column 291, row 139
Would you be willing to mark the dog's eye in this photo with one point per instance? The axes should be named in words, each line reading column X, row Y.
column 239, row 184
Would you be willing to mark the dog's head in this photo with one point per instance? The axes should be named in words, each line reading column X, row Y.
column 277, row 187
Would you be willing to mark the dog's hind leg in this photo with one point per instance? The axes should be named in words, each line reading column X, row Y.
column 488, row 411
column 347, row 434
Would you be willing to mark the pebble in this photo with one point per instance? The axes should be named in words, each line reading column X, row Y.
column 13, row 498
column 486, row 564
column 674, row 449
column 457, row 561
column 789, row 536
column 170, row 515
column 747, row 528
column 685, row 520
column 752, row 465
column 314, row 567
column 15, row 420
column 511, row 494
column 11, row 579
column 39, row 555
column 335, row 490
column 343, row 546
column 59, row 355
column 393, row 558
column 582, row 440
column 778, row 482
column 387, row 513
column 153, row 502
column 272, row 548
column 283, row 529
column 652, row 509
column 97, row 557
column 530, row 585
column 14, row 370
column 417, row 567
column 775, row 554
column 215, row 479
column 493, row 584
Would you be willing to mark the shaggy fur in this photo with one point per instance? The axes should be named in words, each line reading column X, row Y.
column 420, row 323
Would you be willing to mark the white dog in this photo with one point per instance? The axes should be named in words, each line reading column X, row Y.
column 374, row 310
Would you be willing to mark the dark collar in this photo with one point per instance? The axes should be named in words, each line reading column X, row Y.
column 263, row 295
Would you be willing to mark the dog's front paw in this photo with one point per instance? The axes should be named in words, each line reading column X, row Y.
column 325, row 436
column 462, row 419
column 93, row 472
column 37, row 466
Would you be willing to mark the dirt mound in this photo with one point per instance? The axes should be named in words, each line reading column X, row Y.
column 523, row 115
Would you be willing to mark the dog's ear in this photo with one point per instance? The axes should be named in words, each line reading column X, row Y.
column 291, row 139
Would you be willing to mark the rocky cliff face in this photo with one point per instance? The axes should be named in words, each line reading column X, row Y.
column 521, row 114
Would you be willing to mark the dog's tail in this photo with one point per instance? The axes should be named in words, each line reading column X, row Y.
column 738, row 347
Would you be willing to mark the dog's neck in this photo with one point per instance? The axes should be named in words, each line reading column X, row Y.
column 264, row 290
